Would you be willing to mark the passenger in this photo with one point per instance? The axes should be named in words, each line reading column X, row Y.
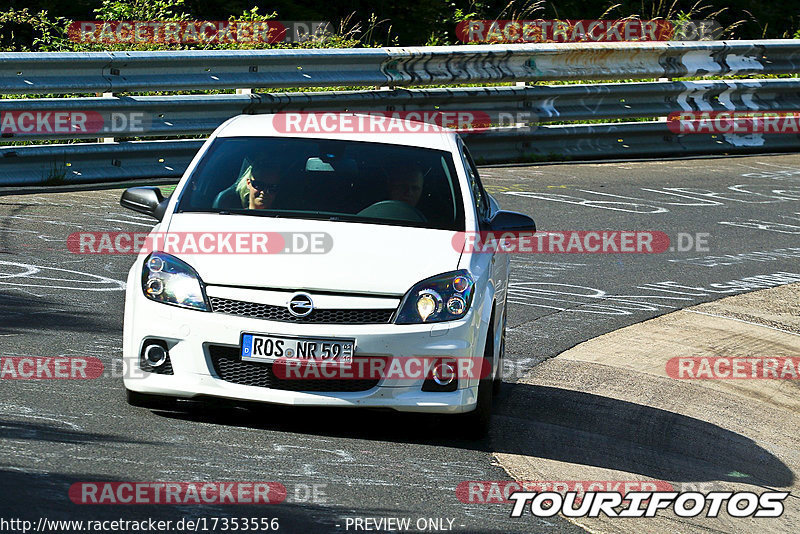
column 405, row 183
column 258, row 186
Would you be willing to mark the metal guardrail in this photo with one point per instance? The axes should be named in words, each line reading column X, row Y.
column 99, row 162
column 616, row 140
column 186, row 115
column 94, row 72
column 201, row 114
column 95, row 162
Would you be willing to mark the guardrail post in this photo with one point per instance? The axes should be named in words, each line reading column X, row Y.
column 520, row 84
column 663, row 119
column 106, row 139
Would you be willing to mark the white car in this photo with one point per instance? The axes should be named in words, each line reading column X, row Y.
column 389, row 279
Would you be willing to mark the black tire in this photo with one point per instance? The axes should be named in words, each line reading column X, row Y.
column 475, row 424
column 152, row 402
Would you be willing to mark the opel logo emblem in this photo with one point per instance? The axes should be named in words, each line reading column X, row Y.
column 300, row 305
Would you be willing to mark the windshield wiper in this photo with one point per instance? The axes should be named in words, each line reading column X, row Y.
column 342, row 217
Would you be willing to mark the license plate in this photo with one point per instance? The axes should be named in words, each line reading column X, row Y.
column 268, row 348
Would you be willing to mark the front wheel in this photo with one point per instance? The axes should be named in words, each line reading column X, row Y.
column 475, row 424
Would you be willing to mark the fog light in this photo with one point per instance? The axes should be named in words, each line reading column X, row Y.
column 155, row 355
column 443, row 374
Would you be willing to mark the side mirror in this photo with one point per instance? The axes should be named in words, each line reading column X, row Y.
column 146, row 200
column 511, row 221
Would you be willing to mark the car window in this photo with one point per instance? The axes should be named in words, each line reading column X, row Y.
column 478, row 193
column 327, row 179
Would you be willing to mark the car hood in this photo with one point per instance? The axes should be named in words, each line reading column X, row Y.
column 360, row 258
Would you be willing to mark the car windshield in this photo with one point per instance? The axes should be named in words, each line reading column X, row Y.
column 327, row 179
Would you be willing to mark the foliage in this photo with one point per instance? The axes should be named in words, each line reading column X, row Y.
column 41, row 25
column 49, row 34
column 141, row 10
column 481, row 10
column 23, row 30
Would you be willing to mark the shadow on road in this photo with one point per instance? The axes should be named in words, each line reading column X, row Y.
column 543, row 422
column 30, row 496
column 587, row 429
column 34, row 314
column 21, row 430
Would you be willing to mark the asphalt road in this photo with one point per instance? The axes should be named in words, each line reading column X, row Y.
column 368, row 464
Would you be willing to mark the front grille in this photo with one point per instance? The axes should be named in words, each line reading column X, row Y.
column 281, row 313
column 229, row 367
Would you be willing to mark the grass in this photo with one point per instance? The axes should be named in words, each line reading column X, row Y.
column 57, row 174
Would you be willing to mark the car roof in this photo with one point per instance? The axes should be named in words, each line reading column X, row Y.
column 409, row 135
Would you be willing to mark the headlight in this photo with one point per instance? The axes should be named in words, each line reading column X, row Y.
column 445, row 297
column 169, row 280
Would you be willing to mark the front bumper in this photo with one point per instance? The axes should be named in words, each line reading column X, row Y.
column 190, row 333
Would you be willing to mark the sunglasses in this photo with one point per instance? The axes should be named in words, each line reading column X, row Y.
column 263, row 186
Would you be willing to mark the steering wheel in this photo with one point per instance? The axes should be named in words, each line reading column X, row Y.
column 395, row 210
